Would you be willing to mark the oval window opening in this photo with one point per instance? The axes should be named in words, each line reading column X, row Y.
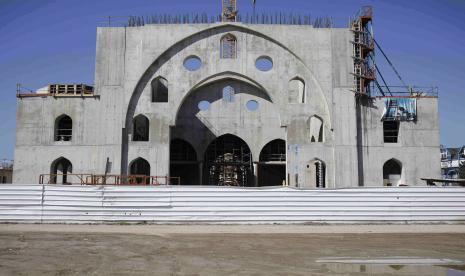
column 204, row 105
column 192, row 63
column 264, row 64
column 252, row 105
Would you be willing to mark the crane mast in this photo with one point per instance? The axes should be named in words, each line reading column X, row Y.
column 229, row 10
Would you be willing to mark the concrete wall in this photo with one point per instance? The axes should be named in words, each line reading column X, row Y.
column 417, row 148
column 128, row 59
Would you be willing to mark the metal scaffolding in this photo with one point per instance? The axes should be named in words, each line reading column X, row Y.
column 363, row 53
column 228, row 162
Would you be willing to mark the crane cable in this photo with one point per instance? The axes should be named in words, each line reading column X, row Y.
column 392, row 65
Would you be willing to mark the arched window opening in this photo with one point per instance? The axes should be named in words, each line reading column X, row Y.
column 272, row 165
column 274, row 151
column 228, row 46
column 316, row 129
column 181, row 150
column 316, row 174
column 183, row 163
column 140, row 128
column 392, row 173
column 228, row 162
column 228, row 94
column 320, row 169
column 296, row 91
column 140, row 168
column 159, row 90
column 63, row 128
column 60, row 170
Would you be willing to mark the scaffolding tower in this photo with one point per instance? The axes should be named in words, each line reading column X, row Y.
column 228, row 162
column 363, row 52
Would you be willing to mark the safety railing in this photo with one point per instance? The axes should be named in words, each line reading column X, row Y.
column 57, row 90
column 407, row 92
column 271, row 157
column 95, row 179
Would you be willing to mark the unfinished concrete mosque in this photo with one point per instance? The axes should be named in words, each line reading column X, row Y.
column 231, row 101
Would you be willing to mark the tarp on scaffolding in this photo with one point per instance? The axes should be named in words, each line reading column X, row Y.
column 400, row 109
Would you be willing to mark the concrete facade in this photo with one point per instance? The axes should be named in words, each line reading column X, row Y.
column 129, row 58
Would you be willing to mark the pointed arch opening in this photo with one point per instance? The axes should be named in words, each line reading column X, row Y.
column 228, row 162
column 297, row 93
column 159, row 90
column 60, row 171
column 63, row 128
column 183, row 163
column 316, row 174
column 140, row 128
column 228, row 94
column 316, row 128
column 272, row 164
column 392, row 173
column 228, row 46
column 140, row 168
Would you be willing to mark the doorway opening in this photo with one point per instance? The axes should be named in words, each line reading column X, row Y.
column 140, row 168
column 392, row 173
column 272, row 165
column 60, row 171
column 183, row 163
column 316, row 174
column 228, row 162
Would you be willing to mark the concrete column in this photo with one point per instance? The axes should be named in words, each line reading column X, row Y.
column 200, row 173
column 255, row 174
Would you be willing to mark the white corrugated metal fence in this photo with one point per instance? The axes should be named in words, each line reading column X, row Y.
column 97, row 204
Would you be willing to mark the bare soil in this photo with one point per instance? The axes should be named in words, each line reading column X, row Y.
column 155, row 250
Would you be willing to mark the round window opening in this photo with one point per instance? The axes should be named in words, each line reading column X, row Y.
column 192, row 63
column 252, row 105
column 264, row 63
column 204, row 105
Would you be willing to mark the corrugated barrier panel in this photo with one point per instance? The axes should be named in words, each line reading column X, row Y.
column 159, row 204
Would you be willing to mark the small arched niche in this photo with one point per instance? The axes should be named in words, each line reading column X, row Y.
column 392, row 173
column 63, row 128
column 228, row 94
column 316, row 174
column 60, row 170
column 140, row 128
column 296, row 91
column 140, row 168
column 228, row 46
column 159, row 90
column 316, row 128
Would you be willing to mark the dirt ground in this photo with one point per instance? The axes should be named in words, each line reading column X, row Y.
column 243, row 250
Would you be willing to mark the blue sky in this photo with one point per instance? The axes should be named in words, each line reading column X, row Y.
column 46, row 41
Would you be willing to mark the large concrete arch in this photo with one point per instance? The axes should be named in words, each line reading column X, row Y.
column 179, row 46
column 229, row 75
column 187, row 108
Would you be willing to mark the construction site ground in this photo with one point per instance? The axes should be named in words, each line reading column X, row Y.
column 37, row 249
